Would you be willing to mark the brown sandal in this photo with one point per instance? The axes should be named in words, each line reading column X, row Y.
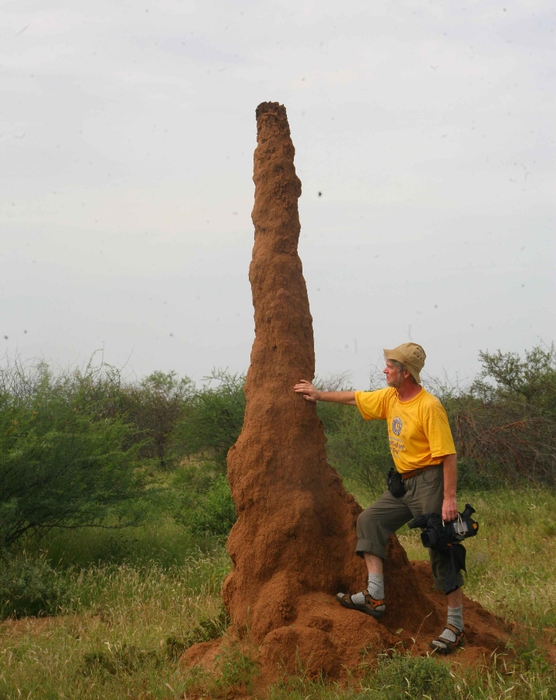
column 442, row 645
column 375, row 608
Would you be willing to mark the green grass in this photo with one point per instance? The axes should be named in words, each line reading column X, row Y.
column 401, row 677
column 119, row 634
column 122, row 624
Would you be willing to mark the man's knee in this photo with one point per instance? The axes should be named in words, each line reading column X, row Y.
column 375, row 547
column 372, row 533
column 440, row 565
column 368, row 518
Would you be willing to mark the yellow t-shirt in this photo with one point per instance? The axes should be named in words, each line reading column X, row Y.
column 418, row 429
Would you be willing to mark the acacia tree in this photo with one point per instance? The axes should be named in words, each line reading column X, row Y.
column 65, row 459
column 155, row 406
column 508, row 426
column 530, row 380
column 214, row 418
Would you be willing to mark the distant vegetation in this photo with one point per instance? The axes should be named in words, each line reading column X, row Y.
column 86, row 448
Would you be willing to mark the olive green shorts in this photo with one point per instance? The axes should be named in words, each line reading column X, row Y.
column 424, row 494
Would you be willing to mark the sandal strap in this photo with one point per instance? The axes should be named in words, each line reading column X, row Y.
column 373, row 602
column 458, row 634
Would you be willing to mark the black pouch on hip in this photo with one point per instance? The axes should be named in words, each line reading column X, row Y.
column 395, row 483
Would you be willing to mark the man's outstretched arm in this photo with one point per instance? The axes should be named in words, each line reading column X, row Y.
column 311, row 394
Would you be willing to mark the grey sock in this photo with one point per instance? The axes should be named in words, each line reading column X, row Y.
column 358, row 598
column 455, row 618
column 375, row 586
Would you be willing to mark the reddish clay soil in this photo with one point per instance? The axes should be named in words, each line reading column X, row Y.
column 292, row 546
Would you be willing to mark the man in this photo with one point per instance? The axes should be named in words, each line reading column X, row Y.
column 424, row 455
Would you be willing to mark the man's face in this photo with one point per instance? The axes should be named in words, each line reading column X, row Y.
column 393, row 375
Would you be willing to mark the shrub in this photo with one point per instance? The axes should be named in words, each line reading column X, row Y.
column 29, row 586
column 64, row 458
column 155, row 406
column 205, row 503
column 214, row 419
column 506, row 424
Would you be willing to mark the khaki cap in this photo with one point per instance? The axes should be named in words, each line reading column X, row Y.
column 409, row 354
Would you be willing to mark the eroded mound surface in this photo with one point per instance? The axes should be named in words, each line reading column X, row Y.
column 326, row 639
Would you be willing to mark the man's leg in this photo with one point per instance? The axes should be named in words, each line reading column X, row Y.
column 455, row 609
column 425, row 495
column 455, row 598
column 452, row 637
column 374, row 527
column 375, row 565
column 375, row 579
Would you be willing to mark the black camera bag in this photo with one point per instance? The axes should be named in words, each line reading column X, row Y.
column 395, row 483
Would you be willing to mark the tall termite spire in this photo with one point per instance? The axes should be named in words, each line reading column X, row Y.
column 295, row 529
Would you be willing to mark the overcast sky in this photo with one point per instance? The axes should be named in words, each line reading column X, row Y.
column 127, row 133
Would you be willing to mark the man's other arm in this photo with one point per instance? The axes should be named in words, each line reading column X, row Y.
column 449, row 504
